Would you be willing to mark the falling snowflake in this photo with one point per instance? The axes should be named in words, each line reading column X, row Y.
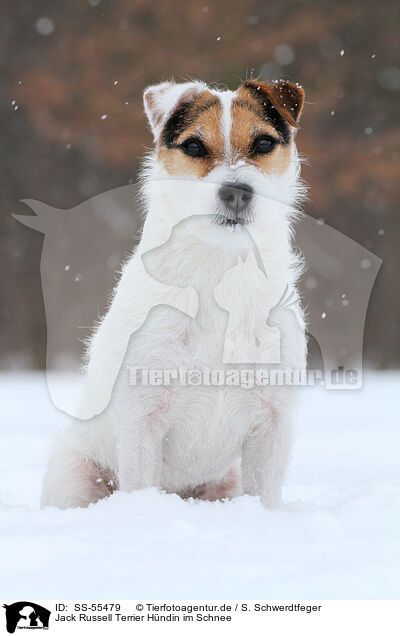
column 311, row 282
column 44, row 26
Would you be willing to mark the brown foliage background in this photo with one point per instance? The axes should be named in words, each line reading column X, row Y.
column 87, row 59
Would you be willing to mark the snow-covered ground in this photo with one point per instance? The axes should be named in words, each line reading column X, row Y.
column 337, row 535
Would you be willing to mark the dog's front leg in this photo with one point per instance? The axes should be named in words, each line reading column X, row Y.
column 265, row 457
column 140, row 451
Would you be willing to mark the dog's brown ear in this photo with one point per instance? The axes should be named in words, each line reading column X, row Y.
column 286, row 97
column 161, row 100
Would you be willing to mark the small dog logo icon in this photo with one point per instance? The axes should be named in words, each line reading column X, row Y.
column 26, row 615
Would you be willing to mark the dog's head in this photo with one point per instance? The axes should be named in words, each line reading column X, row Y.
column 224, row 153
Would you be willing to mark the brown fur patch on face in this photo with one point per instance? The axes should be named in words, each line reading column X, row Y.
column 248, row 123
column 202, row 120
column 259, row 109
column 282, row 101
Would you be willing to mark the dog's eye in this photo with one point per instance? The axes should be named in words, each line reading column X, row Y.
column 194, row 148
column 263, row 145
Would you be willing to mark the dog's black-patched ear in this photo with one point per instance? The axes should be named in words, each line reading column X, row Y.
column 287, row 98
column 163, row 100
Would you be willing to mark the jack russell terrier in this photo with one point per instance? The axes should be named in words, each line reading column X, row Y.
column 202, row 290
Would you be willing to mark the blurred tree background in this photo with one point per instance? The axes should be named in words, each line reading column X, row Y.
column 72, row 122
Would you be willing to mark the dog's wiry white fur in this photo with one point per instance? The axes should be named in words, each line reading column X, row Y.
column 203, row 441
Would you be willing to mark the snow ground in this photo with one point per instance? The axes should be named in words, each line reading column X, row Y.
column 336, row 537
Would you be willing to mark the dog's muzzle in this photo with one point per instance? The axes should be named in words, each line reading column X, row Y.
column 236, row 201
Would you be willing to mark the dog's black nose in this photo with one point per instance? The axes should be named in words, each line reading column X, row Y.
column 236, row 196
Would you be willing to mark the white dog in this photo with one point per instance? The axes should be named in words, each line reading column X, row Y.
column 220, row 192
